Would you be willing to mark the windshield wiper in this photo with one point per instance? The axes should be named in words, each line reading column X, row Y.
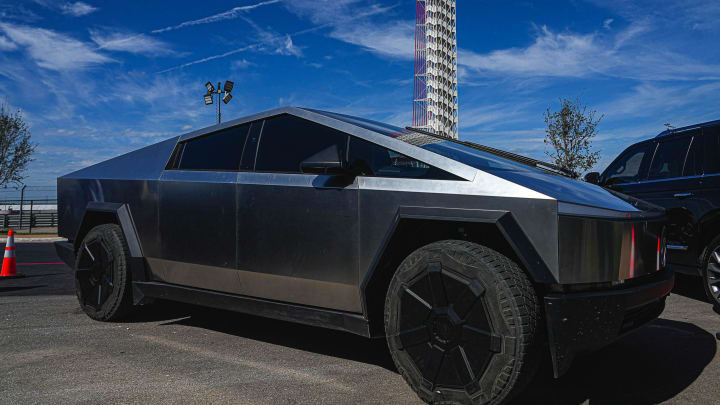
column 502, row 153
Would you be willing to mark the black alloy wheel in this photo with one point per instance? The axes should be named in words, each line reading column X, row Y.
column 711, row 272
column 461, row 324
column 101, row 274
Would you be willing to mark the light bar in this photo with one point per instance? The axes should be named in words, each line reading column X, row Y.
column 632, row 253
column 228, row 86
column 208, row 99
column 210, row 87
column 227, row 98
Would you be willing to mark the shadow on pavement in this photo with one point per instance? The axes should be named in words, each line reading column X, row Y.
column 19, row 288
column 308, row 338
column 690, row 287
column 649, row 366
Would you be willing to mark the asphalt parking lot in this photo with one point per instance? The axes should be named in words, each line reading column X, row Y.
column 50, row 352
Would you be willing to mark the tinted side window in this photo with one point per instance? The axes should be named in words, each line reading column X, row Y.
column 712, row 149
column 218, row 151
column 631, row 166
column 669, row 158
column 694, row 160
column 370, row 159
column 286, row 141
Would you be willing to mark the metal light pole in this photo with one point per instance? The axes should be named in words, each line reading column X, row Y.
column 222, row 94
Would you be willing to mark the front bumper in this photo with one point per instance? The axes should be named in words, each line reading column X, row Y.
column 586, row 321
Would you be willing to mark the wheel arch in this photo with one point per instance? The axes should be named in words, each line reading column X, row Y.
column 98, row 213
column 709, row 229
column 415, row 227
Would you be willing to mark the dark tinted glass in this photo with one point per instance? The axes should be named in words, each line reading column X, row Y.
column 712, row 149
column 370, row 159
column 248, row 160
column 379, row 127
column 632, row 165
column 286, row 141
column 218, row 151
column 694, row 161
column 669, row 159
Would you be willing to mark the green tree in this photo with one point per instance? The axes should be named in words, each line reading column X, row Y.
column 15, row 147
column 569, row 134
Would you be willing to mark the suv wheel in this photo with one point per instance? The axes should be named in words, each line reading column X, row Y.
column 711, row 272
column 462, row 324
column 102, row 276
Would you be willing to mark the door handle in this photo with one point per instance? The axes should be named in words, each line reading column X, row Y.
column 682, row 195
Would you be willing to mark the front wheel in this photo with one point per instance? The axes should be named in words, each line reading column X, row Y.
column 102, row 276
column 462, row 323
column 710, row 269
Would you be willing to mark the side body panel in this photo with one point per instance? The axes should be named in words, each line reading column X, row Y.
column 380, row 202
column 298, row 238
column 131, row 179
column 197, row 228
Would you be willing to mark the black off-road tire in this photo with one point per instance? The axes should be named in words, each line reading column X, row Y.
column 710, row 271
column 102, row 274
column 463, row 324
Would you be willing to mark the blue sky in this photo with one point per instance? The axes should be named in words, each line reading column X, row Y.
column 97, row 79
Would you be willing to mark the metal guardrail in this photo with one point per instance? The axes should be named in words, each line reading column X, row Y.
column 28, row 214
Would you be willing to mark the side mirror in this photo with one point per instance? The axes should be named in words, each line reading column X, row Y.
column 327, row 161
column 593, row 177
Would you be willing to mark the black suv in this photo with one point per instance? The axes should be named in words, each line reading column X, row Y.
column 679, row 170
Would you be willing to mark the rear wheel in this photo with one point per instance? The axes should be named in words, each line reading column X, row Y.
column 102, row 277
column 711, row 272
column 462, row 324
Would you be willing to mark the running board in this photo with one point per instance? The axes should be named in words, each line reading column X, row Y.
column 326, row 318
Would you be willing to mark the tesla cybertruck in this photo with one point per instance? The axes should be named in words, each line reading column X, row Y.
column 471, row 261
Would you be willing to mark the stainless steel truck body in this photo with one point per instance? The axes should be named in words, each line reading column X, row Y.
column 351, row 224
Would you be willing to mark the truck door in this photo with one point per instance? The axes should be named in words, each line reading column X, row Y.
column 297, row 233
column 197, row 210
column 673, row 181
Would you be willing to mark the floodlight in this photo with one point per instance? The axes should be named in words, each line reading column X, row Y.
column 210, row 87
column 228, row 86
column 227, row 98
column 208, row 99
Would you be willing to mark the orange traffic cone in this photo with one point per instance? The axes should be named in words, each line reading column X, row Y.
column 8, row 267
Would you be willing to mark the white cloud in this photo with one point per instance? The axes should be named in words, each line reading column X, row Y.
column 6, row 44
column 648, row 99
column 271, row 42
column 607, row 23
column 52, row 50
column 493, row 115
column 77, row 9
column 350, row 23
column 241, row 64
column 133, row 43
column 393, row 39
column 213, row 57
column 288, row 48
column 226, row 15
column 627, row 55
column 695, row 14
column 550, row 55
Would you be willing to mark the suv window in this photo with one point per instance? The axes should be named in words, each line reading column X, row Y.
column 631, row 165
column 219, row 151
column 712, row 149
column 669, row 158
column 286, row 141
column 694, row 160
column 370, row 159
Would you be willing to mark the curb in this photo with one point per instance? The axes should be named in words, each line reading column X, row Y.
column 36, row 240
